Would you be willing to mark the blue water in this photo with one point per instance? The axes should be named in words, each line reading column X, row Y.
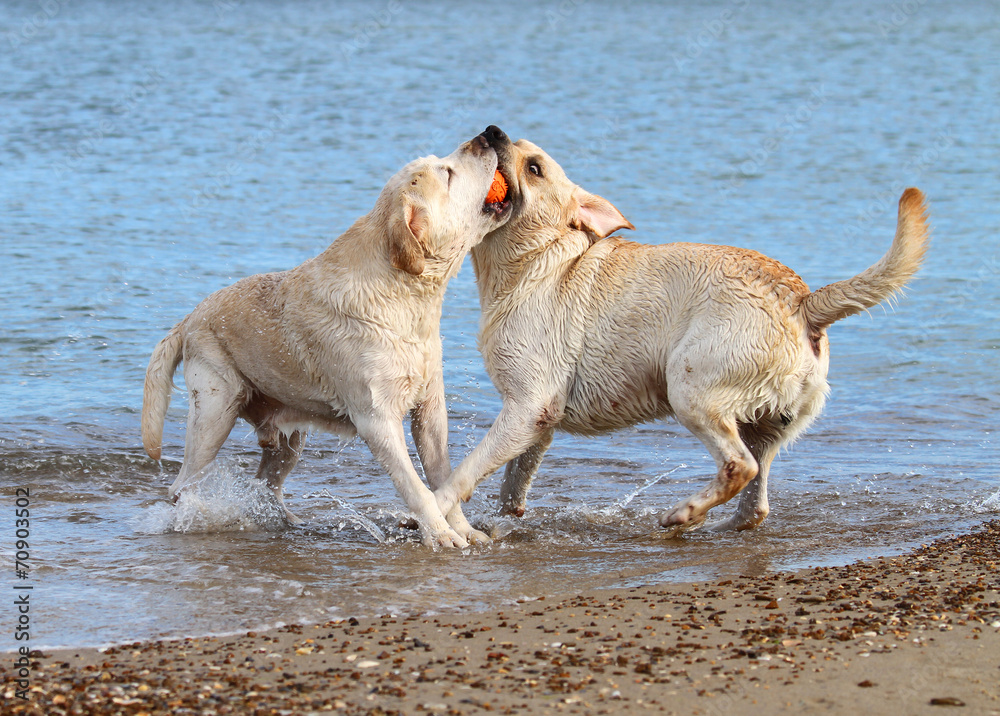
column 154, row 152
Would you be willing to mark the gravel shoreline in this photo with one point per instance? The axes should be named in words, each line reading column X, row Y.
column 914, row 634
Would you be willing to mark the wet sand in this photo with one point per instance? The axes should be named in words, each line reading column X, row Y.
column 915, row 634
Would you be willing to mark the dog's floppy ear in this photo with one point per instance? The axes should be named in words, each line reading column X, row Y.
column 597, row 215
column 406, row 239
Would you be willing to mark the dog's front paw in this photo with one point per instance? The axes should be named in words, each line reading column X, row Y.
column 477, row 537
column 447, row 538
column 461, row 525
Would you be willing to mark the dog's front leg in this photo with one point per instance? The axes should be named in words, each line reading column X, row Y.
column 519, row 474
column 429, row 425
column 516, row 429
column 384, row 437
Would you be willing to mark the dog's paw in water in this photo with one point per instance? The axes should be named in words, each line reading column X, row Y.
column 681, row 519
column 447, row 538
column 464, row 531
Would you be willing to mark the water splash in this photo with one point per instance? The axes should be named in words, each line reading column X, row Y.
column 622, row 503
column 581, row 522
column 227, row 499
column 353, row 515
column 989, row 504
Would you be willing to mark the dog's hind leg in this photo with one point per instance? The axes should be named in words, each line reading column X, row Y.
column 519, row 473
column 736, row 465
column 764, row 438
column 277, row 460
column 212, row 410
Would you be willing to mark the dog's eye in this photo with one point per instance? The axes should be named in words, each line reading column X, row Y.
column 451, row 173
column 535, row 168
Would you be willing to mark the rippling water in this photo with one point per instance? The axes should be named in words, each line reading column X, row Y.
column 152, row 153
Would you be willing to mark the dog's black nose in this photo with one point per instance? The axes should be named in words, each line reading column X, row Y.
column 494, row 132
column 495, row 136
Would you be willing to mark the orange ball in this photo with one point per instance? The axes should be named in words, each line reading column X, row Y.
column 498, row 189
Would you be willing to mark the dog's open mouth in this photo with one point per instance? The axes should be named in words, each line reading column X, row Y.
column 496, row 199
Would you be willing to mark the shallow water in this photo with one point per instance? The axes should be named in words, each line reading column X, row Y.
column 153, row 155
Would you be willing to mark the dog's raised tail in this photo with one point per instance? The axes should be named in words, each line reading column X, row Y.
column 156, row 391
column 839, row 300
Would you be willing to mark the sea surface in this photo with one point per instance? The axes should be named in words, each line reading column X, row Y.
column 153, row 152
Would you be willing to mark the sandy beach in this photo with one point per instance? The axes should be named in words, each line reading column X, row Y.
column 914, row 634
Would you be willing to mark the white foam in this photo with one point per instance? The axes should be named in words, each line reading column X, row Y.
column 227, row 499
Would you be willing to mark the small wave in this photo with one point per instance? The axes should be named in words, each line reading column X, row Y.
column 227, row 499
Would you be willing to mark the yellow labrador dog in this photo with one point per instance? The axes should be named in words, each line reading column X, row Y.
column 591, row 334
column 347, row 342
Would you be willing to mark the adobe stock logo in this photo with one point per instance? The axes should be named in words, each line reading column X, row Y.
column 710, row 33
column 790, row 123
column 31, row 26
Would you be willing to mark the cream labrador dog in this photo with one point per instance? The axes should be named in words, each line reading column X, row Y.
column 347, row 342
column 590, row 334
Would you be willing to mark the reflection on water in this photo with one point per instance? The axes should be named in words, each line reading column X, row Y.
column 155, row 153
